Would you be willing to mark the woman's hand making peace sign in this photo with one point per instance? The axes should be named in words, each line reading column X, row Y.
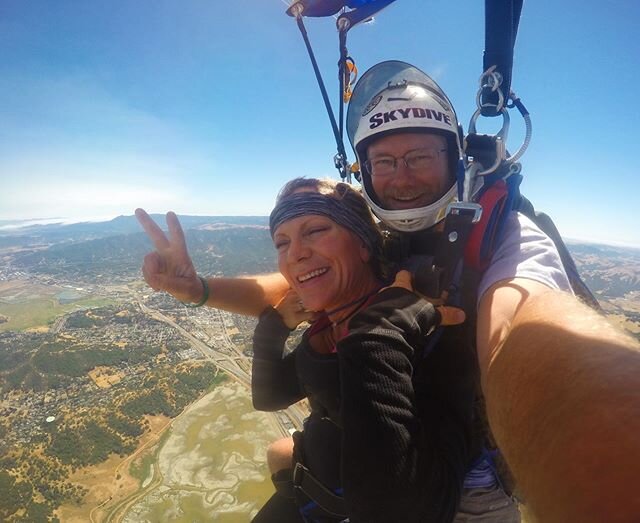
column 169, row 267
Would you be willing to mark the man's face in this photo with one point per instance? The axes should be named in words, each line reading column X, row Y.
column 410, row 188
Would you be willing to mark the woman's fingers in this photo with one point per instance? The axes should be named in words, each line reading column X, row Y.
column 152, row 267
column 176, row 235
column 292, row 310
column 154, row 232
column 450, row 315
column 403, row 279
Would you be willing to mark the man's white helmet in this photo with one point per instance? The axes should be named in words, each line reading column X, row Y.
column 392, row 97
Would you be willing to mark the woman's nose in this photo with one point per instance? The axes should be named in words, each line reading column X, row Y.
column 298, row 250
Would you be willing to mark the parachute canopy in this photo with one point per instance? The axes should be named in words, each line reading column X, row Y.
column 319, row 8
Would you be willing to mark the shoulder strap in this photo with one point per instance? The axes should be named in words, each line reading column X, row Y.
column 482, row 240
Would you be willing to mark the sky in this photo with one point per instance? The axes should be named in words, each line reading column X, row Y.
column 208, row 106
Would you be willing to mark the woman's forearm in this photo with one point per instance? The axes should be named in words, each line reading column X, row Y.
column 246, row 295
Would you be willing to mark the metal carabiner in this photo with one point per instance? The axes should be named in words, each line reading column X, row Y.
column 350, row 76
column 504, row 130
column 500, row 140
column 344, row 168
column 490, row 79
column 494, row 78
column 499, row 106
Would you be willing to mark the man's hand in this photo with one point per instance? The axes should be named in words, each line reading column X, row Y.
column 449, row 315
column 169, row 267
column 292, row 310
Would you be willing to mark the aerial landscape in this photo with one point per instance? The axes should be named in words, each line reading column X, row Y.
column 120, row 404
column 95, row 367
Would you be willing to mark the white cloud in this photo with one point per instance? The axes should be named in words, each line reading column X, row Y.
column 91, row 201
column 86, row 186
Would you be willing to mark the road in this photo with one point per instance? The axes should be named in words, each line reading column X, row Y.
column 235, row 365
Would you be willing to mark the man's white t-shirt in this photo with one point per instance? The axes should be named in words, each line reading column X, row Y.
column 525, row 252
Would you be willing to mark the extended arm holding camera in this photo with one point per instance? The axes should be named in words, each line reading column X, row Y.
column 562, row 389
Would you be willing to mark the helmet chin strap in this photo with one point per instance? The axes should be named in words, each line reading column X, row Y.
column 412, row 220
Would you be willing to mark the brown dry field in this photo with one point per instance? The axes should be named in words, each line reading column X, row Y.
column 105, row 377
column 621, row 320
column 101, row 480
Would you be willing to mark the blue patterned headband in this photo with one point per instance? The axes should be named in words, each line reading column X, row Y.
column 306, row 203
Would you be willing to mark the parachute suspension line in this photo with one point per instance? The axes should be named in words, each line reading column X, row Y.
column 347, row 74
column 342, row 75
column 340, row 159
column 352, row 12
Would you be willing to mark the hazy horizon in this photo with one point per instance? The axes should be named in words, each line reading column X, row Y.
column 13, row 225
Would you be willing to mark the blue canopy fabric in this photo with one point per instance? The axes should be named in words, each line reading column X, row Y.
column 319, row 8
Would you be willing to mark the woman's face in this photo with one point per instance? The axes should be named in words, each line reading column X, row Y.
column 326, row 264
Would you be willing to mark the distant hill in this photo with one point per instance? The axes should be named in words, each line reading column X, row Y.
column 77, row 232
column 228, row 251
column 230, row 245
column 611, row 272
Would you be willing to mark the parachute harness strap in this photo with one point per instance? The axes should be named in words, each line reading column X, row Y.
column 495, row 96
column 502, row 18
column 491, row 177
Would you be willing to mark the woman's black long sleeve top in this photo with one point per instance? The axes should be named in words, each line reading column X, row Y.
column 405, row 416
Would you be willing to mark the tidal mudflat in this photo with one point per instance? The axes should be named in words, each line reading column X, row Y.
column 212, row 467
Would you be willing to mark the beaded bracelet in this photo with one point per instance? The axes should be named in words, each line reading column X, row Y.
column 205, row 296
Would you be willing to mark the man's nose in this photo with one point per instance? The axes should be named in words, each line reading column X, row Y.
column 403, row 173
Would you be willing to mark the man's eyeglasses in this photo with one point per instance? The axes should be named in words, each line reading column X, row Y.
column 414, row 160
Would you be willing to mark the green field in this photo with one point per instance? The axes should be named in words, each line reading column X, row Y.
column 41, row 312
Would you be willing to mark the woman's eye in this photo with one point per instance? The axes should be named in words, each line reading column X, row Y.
column 316, row 230
column 281, row 245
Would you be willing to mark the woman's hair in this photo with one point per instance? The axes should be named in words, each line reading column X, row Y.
column 325, row 186
column 354, row 202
